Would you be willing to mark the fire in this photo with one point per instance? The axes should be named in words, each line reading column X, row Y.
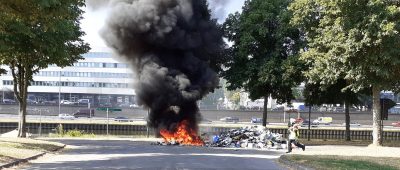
column 183, row 135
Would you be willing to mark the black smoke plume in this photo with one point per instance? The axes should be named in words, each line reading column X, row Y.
column 171, row 45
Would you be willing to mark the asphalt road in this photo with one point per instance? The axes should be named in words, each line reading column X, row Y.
column 364, row 118
column 114, row 154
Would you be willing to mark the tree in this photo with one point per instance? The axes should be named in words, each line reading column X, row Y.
column 35, row 34
column 263, row 57
column 356, row 40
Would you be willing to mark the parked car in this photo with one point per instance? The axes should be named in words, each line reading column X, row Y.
column 280, row 108
column 352, row 124
column 396, row 124
column 66, row 116
column 83, row 101
column 122, row 119
column 84, row 113
column 30, row 101
column 9, row 101
column 394, row 110
column 230, row 119
column 323, row 120
column 305, row 123
column 133, row 106
column 338, row 109
column 256, row 120
column 67, row 102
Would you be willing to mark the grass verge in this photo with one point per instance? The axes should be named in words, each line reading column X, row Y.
column 349, row 143
column 345, row 162
column 19, row 148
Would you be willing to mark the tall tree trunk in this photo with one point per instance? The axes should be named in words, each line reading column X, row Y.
column 20, row 79
column 376, row 125
column 265, row 110
column 347, row 113
column 22, row 120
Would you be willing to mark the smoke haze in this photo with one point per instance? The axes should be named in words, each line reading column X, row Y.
column 169, row 44
column 217, row 6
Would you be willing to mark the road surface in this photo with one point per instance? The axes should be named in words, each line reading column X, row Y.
column 123, row 154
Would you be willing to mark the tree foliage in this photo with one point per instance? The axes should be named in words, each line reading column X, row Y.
column 337, row 93
column 354, row 40
column 263, row 57
column 35, row 34
column 264, row 53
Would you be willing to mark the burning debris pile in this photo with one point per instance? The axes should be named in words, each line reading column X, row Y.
column 182, row 136
column 176, row 50
column 248, row 137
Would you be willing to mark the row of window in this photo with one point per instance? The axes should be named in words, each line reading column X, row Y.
column 97, row 65
column 81, row 74
column 73, row 84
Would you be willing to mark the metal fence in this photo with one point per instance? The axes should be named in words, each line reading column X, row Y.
column 142, row 130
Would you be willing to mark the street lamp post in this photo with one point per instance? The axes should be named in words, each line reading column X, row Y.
column 59, row 94
column 309, row 119
column 2, row 89
column 40, row 122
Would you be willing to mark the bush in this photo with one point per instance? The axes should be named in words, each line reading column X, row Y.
column 60, row 132
column 75, row 133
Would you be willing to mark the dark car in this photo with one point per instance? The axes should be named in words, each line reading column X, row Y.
column 230, row 119
column 122, row 119
column 84, row 113
column 256, row 120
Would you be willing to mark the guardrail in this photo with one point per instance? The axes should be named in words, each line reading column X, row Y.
column 141, row 130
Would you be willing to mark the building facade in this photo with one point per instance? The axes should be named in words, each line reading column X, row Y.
column 98, row 77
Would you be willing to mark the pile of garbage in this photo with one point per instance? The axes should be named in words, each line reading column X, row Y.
column 248, row 137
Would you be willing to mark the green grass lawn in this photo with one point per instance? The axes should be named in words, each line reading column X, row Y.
column 346, row 163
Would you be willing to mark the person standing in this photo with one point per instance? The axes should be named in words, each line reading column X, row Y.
column 294, row 138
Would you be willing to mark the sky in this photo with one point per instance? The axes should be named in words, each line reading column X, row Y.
column 94, row 20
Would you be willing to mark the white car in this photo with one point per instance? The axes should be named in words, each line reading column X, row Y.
column 133, row 106
column 66, row 116
column 67, row 102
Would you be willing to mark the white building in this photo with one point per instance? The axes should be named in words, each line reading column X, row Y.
column 98, row 77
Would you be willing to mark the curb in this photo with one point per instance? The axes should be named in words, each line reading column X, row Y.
column 18, row 161
column 284, row 160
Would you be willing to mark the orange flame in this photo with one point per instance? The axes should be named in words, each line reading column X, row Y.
column 183, row 135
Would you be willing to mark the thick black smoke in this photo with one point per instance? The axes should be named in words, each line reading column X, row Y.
column 170, row 45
